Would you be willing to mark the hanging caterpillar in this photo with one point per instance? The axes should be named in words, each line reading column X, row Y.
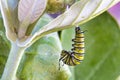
column 76, row 55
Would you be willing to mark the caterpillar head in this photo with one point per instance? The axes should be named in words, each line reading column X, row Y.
column 77, row 29
column 64, row 52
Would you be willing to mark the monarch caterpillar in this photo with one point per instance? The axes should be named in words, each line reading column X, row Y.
column 76, row 55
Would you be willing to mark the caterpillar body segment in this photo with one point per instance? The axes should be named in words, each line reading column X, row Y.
column 76, row 55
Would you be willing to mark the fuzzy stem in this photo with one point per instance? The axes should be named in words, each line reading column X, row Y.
column 13, row 62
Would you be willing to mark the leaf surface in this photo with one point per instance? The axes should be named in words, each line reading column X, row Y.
column 102, row 49
column 31, row 10
column 79, row 13
column 40, row 61
column 4, row 47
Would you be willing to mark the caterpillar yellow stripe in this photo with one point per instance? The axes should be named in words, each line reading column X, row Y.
column 76, row 55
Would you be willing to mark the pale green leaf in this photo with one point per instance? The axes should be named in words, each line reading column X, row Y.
column 30, row 10
column 9, row 14
column 78, row 13
column 41, row 61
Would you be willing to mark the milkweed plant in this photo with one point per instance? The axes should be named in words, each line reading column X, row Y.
column 34, row 32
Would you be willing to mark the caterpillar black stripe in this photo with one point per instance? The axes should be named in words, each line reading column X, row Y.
column 76, row 55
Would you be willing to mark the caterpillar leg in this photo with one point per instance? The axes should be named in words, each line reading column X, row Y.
column 76, row 55
column 59, row 63
column 63, row 57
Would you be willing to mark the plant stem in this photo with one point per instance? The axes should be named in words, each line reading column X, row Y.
column 13, row 62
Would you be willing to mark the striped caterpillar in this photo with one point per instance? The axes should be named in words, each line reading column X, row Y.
column 76, row 55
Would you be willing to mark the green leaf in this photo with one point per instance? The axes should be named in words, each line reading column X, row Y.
column 79, row 13
column 41, row 22
column 9, row 14
column 66, row 38
column 102, row 49
column 41, row 61
column 4, row 47
column 28, row 13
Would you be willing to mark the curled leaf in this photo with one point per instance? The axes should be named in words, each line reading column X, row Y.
column 78, row 13
column 8, row 11
column 28, row 12
column 31, row 10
